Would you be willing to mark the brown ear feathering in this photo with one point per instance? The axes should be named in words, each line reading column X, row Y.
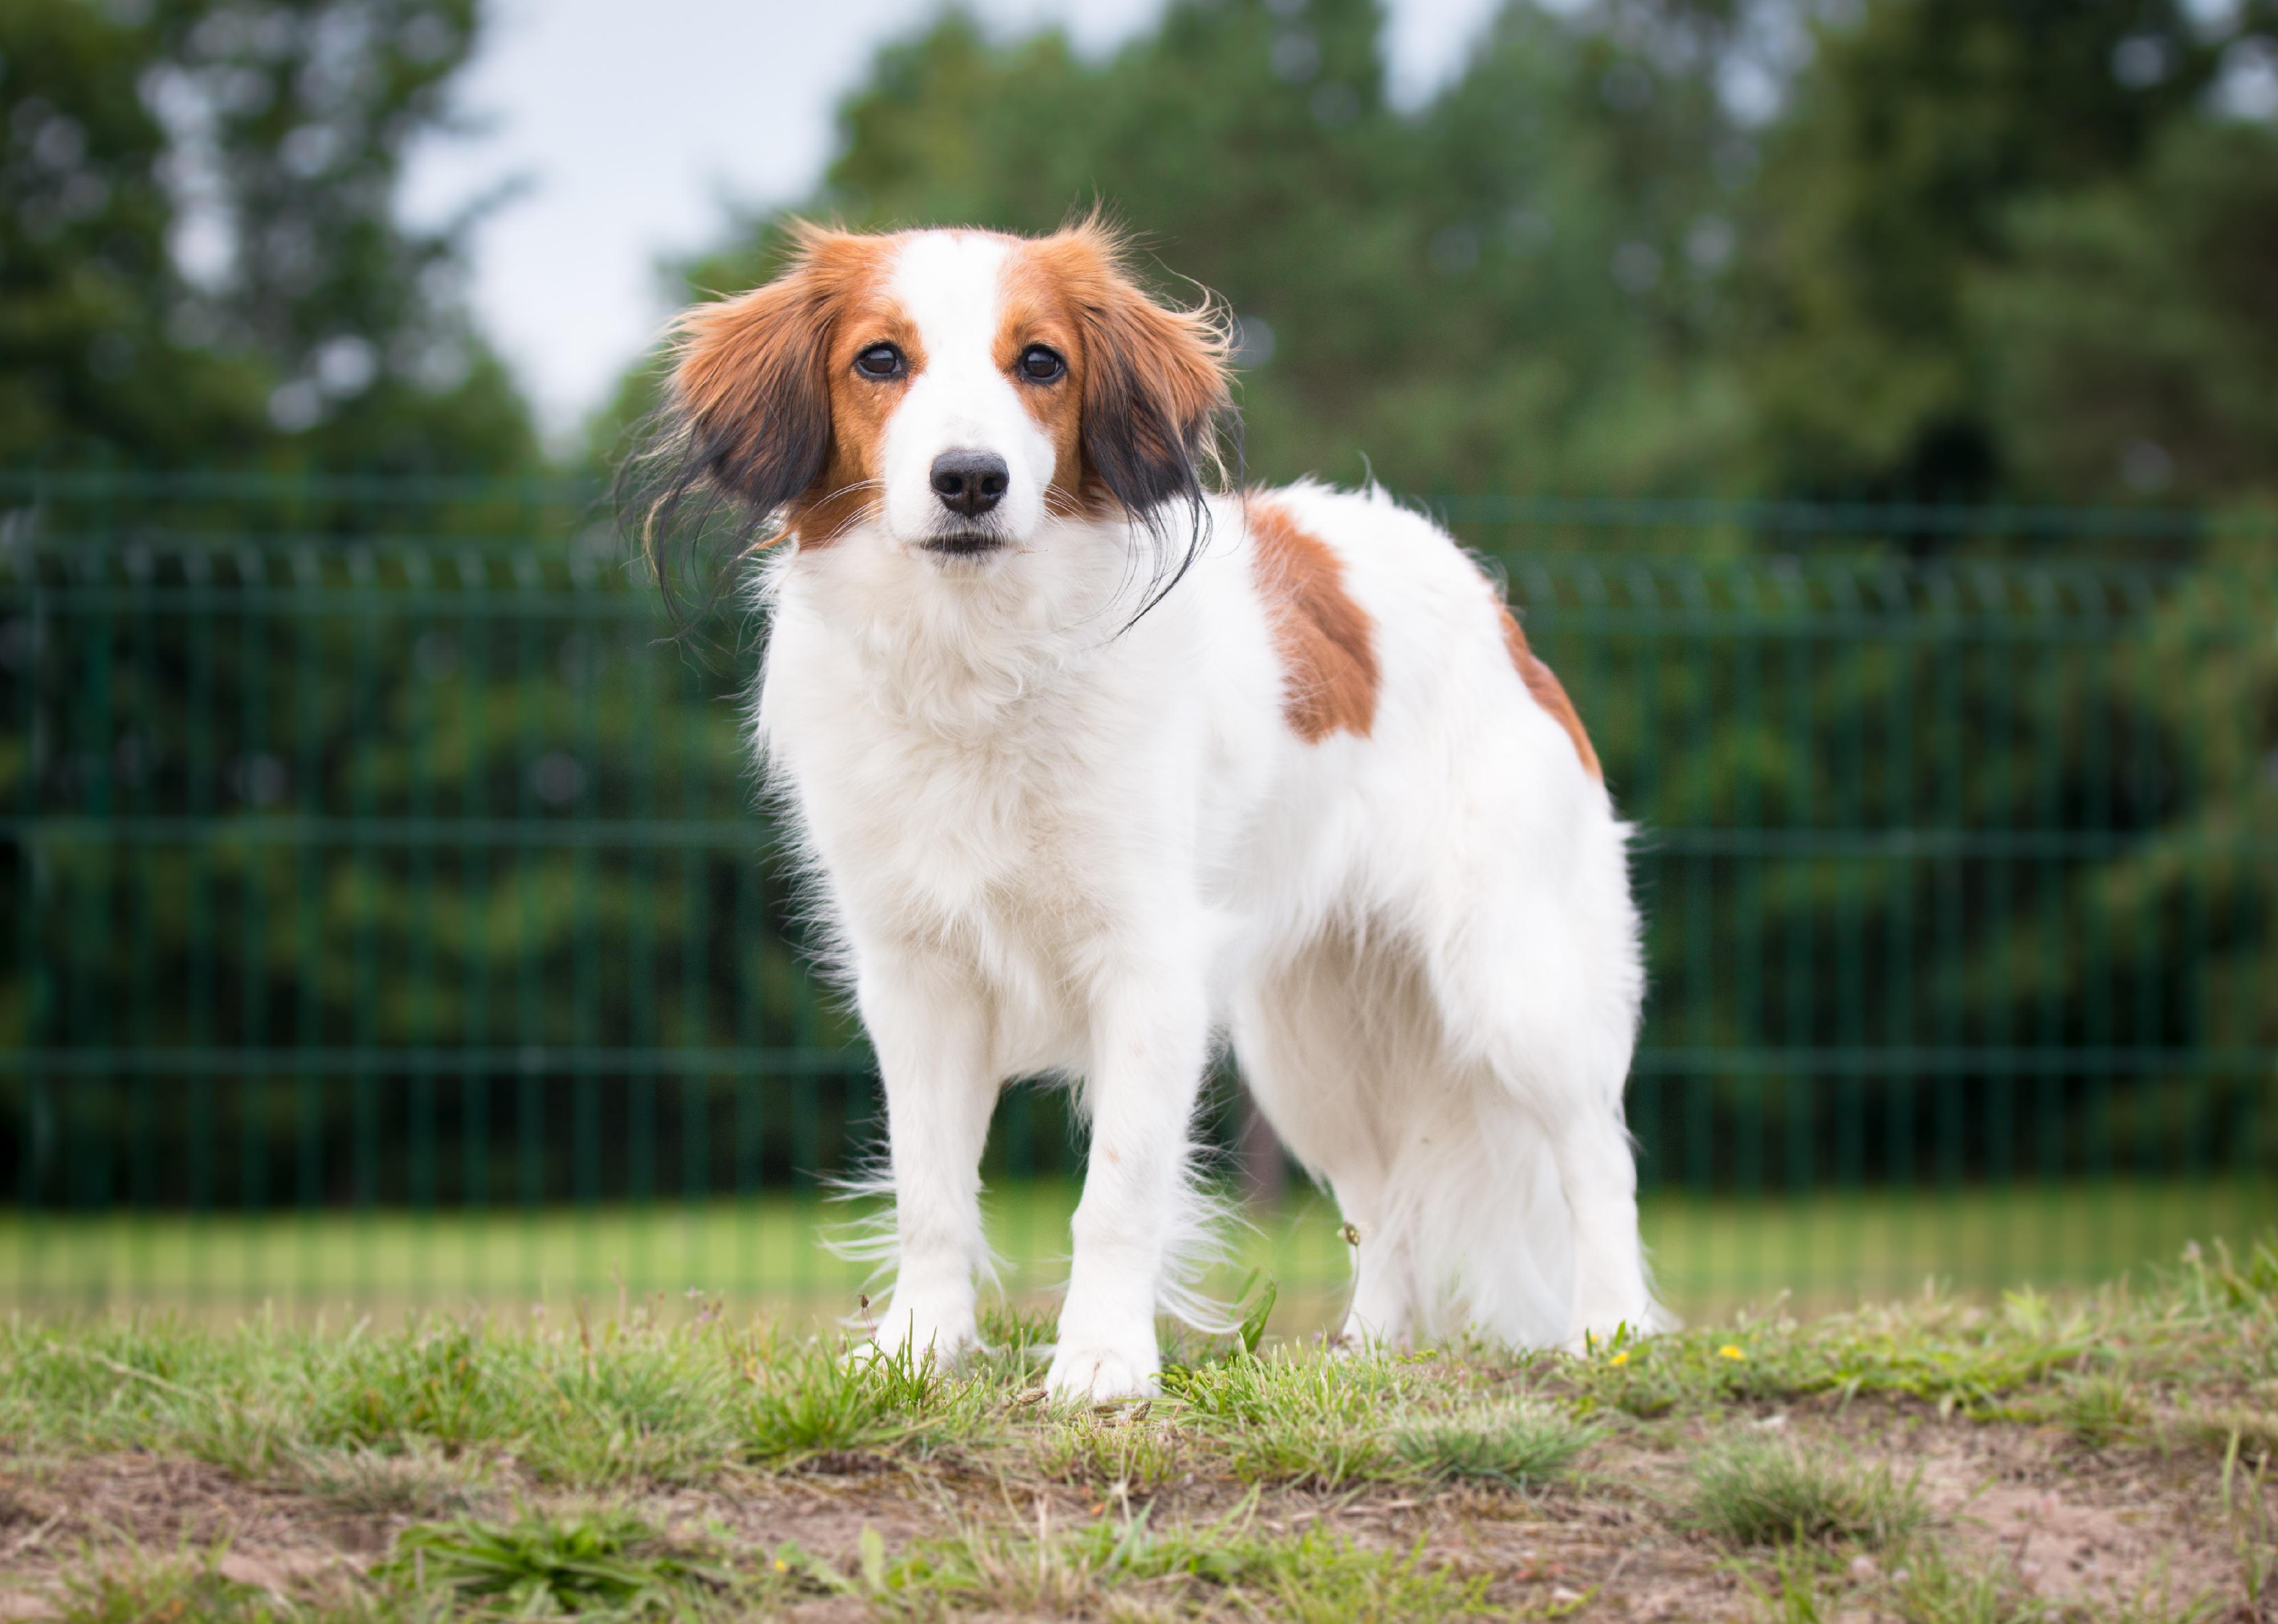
column 1154, row 390
column 745, row 427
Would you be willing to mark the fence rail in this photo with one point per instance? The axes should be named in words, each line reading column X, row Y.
column 392, row 919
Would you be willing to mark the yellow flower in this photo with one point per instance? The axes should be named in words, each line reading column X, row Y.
column 1621, row 1358
column 1729, row 1351
column 781, row 1567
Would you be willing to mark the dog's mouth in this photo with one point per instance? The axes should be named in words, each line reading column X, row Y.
column 964, row 544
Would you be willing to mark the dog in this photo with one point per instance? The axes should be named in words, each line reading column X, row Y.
column 1096, row 765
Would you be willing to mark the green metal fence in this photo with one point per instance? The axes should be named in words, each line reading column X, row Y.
column 390, row 920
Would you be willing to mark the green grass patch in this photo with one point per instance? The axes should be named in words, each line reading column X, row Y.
column 180, row 1589
column 2099, row 1409
column 1115, row 1456
column 2204, row 1323
column 1313, row 1577
column 1298, row 1415
column 604, row 1563
column 1521, row 1446
column 1936, row 1591
column 812, row 1398
column 1767, row 1491
column 640, row 1402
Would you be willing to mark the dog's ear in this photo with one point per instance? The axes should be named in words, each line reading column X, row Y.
column 750, row 392
column 745, row 427
column 1154, row 379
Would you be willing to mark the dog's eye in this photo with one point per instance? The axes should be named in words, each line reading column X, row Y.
column 879, row 360
column 1040, row 365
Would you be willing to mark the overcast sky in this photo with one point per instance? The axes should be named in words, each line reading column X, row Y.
column 635, row 122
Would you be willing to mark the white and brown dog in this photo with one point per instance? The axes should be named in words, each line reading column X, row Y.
column 1093, row 764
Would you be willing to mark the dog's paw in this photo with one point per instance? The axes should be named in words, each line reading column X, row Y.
column 1098, row 1372
column 947, row 1338
column 1597, row 1331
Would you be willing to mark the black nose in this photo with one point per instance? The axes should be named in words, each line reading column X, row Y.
column 970, row 482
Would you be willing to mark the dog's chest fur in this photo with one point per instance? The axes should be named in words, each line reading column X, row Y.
column 978, row 810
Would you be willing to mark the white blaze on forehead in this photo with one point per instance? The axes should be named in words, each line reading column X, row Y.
column 952, row 286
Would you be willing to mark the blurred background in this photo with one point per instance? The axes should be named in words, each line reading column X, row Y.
column 1873, row 405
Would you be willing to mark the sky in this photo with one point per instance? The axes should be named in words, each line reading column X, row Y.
column 635, row 126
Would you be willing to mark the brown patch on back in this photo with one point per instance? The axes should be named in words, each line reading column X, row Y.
column 1328, row 642
column 1549, row 693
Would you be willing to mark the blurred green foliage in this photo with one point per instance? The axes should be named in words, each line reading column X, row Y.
column 201, row 263
column 1930, row 249
column 409, row 775
column 1933, row 249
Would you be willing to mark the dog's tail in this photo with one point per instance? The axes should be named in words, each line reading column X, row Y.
column 1490, row 1240
column 1492, row 1236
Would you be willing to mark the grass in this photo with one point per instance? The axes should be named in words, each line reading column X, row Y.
column 1310, row 1576
column 1936, row 1458
column 1823, row 1250
column 605, row 1562
column 1515, row 1446
column 1761, row 1491
column 137, row 1590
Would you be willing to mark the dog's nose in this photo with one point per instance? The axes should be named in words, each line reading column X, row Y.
column 970, row 482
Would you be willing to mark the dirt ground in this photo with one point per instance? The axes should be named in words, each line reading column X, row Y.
column 2125, row 1532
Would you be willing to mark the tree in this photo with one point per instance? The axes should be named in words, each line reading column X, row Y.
column 1888, row 192
column 1514, row 286
column 86, row 277
column 2137, row 327
column 202, row 260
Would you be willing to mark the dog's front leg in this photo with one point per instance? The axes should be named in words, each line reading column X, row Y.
column 931, row 1030
column 1149, row 1040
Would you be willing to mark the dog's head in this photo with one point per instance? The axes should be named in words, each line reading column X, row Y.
column 950, row 391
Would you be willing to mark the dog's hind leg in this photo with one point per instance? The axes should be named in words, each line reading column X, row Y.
column 1548, row 1031
column 1319, row 1056
column 1597, row 1171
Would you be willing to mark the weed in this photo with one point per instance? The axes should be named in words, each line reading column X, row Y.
column 1016, row 1342
column 1929, row 1590
column 813, row 1400
column 125, row 1587
column 1128, row 1566
column 604, row 1563
column 631, row 1406
column 2246, row 1509
column 436, row 1383
column 1255, row 1312
column 2218, row 1284
column 1763, row 1492
column 2100, row 1410
column 1296, row 1415
column 1118, row 1458
column 2214, row 1428
column 1323, row 1580
column 1520, row 1446
column 1793, row 1596
column 421, row 1481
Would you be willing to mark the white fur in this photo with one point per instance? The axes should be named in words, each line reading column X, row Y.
column 1050, row 841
